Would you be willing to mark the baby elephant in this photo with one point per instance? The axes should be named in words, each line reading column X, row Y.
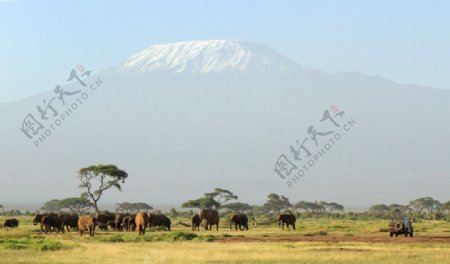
column 195, row 223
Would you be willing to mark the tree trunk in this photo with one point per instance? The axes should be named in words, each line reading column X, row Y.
column 97, row 213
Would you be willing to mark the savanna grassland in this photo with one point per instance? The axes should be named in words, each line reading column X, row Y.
column 320, row 240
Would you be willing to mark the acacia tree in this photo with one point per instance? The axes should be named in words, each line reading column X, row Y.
column 51, row 206
column 276, row 203
column 332, row 207
column 96, row 179
column 425, row 204
column 260, row 210
column 238, row 207
column 76, row 205
column 204, row 202
column 396, row 210
column 312, row 207
column 221, row 196
column 173, row 212
column 378, row 210
column 127, row 207
column 446, row 206
column 214, row 199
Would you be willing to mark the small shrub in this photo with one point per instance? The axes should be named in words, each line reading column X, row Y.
column 447, row 217
column 15, row 245
column 180, row 236
column 30, row 243
column 49, row 245
column 207, row 238
column 145, row 238
column 174, row 236
column 113, row 239
column 320, row 233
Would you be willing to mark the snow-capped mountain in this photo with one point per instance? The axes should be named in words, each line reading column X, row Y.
column 206, row 56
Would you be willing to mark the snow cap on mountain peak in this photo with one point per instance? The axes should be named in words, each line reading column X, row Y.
column 206, row 56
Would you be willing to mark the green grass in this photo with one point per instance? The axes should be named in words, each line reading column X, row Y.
column 32, row 243
column 133, row 237
column 181, row 245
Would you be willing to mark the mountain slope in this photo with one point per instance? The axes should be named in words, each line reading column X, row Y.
column 186, row 124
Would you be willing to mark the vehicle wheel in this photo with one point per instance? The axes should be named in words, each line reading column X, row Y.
column 390, row 234
column 398, row 226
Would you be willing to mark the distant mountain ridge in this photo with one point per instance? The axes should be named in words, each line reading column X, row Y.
column 187, row 117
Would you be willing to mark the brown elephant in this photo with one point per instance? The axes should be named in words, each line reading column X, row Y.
column 52, row 221
column 86, row 223
column 211, row 218
column 159, row 220
column 240, row 220
column 288, row 219
column 141, row 220
column 195, row 222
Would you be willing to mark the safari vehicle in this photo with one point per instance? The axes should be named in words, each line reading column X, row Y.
column 400, row 226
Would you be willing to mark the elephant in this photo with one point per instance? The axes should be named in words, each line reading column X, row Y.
column 86, row 223
column 141, row 221
column 119, row 221
column 11, row 223
column 240, row 220
column 111, row 224
column 159, row 220
column 69, row 221
column 211, row 218
column 288, row 219
column 105, row 217
column 38, row 220
column 102, row 226
column 196, row 223
column 128, row 223
column 52, row 221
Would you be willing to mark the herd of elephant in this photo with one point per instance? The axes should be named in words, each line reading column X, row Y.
column 139, row 222
column 208, row 218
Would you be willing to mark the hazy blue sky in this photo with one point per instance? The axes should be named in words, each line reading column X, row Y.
column 407, row 41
